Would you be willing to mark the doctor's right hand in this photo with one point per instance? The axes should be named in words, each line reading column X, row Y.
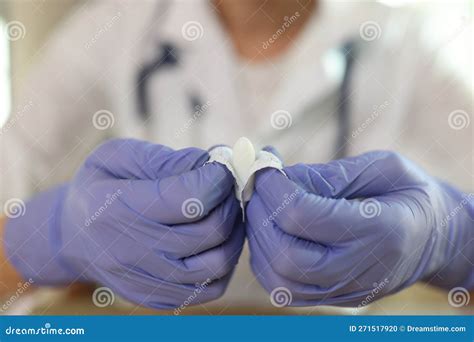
column 150, row 223
column 356, row 229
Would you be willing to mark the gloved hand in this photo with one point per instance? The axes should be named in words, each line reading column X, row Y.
column 142, row 219
column 356, row 229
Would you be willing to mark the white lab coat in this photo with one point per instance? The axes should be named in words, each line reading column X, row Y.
column 400, row 97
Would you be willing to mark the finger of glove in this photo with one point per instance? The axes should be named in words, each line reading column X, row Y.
column 184, row 198
column 146, row 290
column 312, row 217
column 291, row 257
column 214, row 263
column 179, row 241
column 283, row 291
column 273, row 151
column 188, row 239
column 370, row 174
column 139, row 259
column 135, row 159
column 287, row 292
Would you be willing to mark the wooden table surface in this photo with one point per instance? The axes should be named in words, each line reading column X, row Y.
column 417, row 300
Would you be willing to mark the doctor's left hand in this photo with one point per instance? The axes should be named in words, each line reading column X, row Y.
column 151, row 223
column 353, row 230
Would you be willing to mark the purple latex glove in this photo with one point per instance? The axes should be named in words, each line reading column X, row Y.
column 142, row 219
column 356, row 229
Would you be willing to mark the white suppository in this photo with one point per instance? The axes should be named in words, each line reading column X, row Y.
column 243, row 157
column 243, row 162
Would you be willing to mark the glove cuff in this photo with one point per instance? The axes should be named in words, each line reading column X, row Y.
column 454, row 255
column 30, row 240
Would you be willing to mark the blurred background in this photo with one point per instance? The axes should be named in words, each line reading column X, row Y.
column 449, row 28
column 39, row 18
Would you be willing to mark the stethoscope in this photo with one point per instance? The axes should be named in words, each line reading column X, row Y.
column 168, row 57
